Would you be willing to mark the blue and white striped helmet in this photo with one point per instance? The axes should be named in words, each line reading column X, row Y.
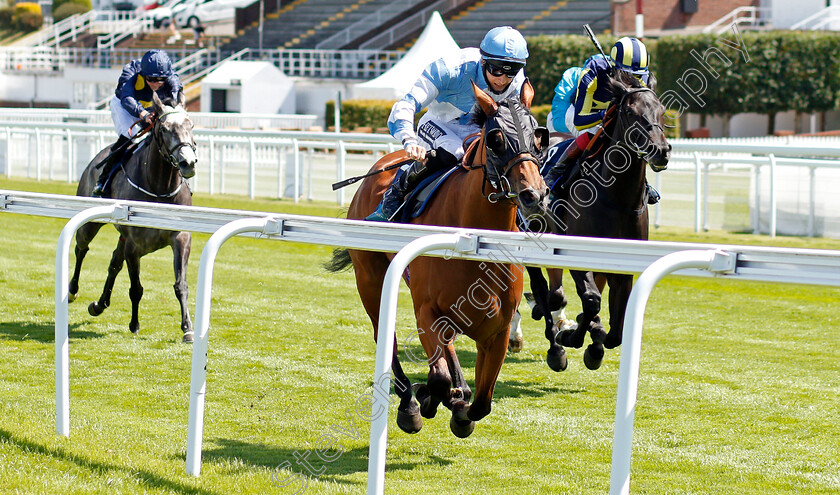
column 630, row 55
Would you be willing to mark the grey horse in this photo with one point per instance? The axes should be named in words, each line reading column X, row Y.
column 156, row 173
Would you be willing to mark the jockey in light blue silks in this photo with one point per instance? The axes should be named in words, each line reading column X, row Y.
column 564, row 95
column 132, row 98
column 445, row 87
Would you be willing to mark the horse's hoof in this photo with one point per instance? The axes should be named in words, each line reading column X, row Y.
column 461, row 429
column 95, row 309
column 536, row 313
column 71, row 297
column 593, row 356
column 134, row 329
column 188, row 337
column 409, row 422
column 424, row 397
column 515, row 345
column 556, row 359
column 566, row 339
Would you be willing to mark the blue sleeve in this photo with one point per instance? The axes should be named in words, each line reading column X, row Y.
column 586, row 115
column 171, row 87
column 564, row 94
column 125, row 89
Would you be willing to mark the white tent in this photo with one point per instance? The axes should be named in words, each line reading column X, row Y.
column 433, row 43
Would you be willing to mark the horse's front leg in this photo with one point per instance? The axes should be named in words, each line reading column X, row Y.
column 620, row 287
column 181, row 244
column 557, row 299
column 114, row 267
column 135, row 290
column 588, row 320
column 488, row 362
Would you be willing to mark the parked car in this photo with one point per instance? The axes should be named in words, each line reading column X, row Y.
column 190, row 13
column 161, row 14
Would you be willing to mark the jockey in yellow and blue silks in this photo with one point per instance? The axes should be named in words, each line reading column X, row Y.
column 592, row 97
column 564, row 96
column 132, row 99
column 445, row 87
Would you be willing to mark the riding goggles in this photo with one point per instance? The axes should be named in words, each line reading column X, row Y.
column 498, row 68
column 155, row 79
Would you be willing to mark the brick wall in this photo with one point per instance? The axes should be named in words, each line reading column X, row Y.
column 668, row 14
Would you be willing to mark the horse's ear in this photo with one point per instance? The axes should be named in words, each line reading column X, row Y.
column 488, row 106
column 156, row 101
column 182, row 99
column 526, row 94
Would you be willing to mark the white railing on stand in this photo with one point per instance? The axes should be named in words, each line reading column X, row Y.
column 747, row 15
column 824, row 19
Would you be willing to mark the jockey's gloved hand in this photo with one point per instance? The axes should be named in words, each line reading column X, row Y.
column 415, row 152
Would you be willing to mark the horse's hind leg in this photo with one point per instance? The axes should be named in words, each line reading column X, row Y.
column 114, row 267
column 181, row 250
column 370, row 271
column 620, row 287
column 84, row 235
column 135, row 290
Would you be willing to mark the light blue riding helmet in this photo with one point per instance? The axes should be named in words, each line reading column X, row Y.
column 156, row 63
column 504, row 44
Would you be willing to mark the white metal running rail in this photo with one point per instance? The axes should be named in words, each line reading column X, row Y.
column 652, row 259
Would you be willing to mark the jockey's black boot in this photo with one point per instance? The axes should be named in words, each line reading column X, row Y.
column 570, row 154
column 653, row 195
column 405, row 182
column 114, row 157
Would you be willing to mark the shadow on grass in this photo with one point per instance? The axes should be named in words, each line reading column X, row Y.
column 152, row 480
column 304, row 461
column 41, row 332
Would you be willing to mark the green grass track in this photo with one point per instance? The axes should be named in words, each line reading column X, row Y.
column 739, row 390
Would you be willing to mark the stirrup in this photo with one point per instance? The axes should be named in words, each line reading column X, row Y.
column 98, row 190
column 378, row 215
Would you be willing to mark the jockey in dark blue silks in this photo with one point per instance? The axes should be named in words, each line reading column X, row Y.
column 132, row 98
column 592, row 97
column 445, row 87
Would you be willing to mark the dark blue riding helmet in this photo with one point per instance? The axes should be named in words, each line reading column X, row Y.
column 156, row 63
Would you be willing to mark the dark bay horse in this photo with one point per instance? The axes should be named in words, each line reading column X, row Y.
column 604, row 195
column 500, row 176
column 156, row 173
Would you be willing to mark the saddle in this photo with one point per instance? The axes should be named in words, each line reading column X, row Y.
column 128, row 153
column 417, row 200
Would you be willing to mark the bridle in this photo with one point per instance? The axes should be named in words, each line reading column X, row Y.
column 496, row 175
column 169, row 154
column 624, row 123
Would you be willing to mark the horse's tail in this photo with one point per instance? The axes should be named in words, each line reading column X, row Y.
column 340, row 261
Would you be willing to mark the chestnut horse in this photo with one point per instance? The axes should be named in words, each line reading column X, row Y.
column 501, row 175
column 605, row 195
column 155, row 173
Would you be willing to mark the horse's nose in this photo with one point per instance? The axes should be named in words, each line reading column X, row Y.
column 187, row 168
column 530, row 198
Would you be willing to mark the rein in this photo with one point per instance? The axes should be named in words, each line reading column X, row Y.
column 167, row 155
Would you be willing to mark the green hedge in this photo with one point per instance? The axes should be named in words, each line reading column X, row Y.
column 68, row 9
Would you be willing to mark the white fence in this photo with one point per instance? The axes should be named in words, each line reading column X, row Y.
column 763, row 185
column 653, row 259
